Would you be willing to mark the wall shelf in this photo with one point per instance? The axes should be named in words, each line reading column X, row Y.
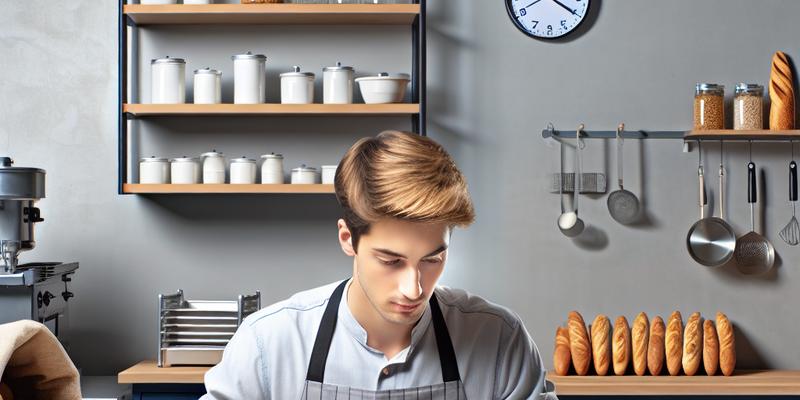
column 188, row 110
column 763, row 135
column 744, row 382
column 283, row 14
column 136, row 188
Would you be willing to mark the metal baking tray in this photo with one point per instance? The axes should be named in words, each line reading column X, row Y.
column 190, row 355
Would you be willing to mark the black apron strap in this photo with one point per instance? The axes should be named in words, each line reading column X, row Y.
column 319, row 355
column 447, row 356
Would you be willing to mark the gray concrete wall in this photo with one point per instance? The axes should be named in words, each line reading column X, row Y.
column 491, row 91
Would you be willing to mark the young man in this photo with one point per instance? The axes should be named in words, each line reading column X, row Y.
column 389, row 331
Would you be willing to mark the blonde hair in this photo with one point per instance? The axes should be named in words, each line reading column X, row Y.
column 400, row 175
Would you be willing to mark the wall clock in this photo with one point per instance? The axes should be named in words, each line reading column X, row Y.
column 547, row 19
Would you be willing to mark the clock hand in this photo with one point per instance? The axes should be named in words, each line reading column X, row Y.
column 565, row 7
column 532, row 3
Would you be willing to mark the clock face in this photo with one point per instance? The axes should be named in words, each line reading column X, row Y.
column 547, row 19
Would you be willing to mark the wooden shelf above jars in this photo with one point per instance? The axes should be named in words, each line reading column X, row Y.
column 754, row 135
column 136, row 188
column 274, row 14
column 175, row 110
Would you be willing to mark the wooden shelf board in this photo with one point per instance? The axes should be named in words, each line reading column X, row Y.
column 136, row 188
column 154, row 110
column 283, row 14
column 730, row 134
column 149, row 372
column 744, row 382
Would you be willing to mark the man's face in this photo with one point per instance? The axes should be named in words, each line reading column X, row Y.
column 397, row 265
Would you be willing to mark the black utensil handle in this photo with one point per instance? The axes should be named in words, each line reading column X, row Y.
column 792, row 181
column 752, row 196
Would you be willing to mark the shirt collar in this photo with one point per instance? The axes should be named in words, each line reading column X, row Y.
column 345, row 316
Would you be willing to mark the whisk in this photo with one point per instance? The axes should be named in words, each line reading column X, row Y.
column 791, row 232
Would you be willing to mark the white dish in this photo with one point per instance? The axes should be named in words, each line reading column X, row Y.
column 383, row 88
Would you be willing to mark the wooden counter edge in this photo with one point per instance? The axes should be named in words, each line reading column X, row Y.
column 148, row 372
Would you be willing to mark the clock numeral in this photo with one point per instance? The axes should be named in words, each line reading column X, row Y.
column 549, row 29
column 534, row 24
column 523, row 12
column 564, row 23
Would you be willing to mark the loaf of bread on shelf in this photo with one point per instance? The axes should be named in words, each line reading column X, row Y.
column 621, row 346
column 781, row 93
column 710, row 348
column 579, row 347
column 655, row 347
column 601, row 344
column 692, row 344
column 727, row 345
column 561, row 356
column 640, row 333
column 673, row 343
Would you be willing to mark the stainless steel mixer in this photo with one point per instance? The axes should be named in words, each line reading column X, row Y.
column 20, row 188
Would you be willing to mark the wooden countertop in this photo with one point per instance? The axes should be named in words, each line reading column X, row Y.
column 744, row 382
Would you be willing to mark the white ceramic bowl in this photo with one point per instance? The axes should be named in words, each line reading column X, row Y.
column 383, row 88
column 158, row 1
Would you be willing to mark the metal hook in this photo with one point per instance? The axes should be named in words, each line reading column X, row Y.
column 578, row 141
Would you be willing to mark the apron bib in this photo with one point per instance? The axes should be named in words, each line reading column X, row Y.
column 315, row 389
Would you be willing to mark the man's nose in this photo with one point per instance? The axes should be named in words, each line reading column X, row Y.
column 410, row 285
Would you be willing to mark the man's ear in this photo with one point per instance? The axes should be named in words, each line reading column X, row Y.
column 345, row 239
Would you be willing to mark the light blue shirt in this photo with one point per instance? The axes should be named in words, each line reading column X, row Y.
column 268, row 356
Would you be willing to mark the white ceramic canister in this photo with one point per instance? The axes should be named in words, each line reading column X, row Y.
column 207, row 86
column 328, row 174
column 304, row 175
column 272, row 168
column 243, row 170
column 297, row 87
column 249, row 78
column 337, row 84
column 158, row 1
column 154, row 170
column 213, row 167
column 198, row 1
column 168, row 80
column 185, row 170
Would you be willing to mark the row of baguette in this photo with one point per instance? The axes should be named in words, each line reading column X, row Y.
column 648, row 346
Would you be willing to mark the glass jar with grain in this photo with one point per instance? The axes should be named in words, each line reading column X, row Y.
column 709, row 109
column 748, row 106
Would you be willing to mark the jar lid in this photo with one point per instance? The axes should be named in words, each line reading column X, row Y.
column 328, row 166
column 212, row 153
column 748, row 88
column 273, row 155
column 153, row 159
column 208, row 70
column 303, row 168
column 183, row 159
column 168, row 60
column 385, row 76
column 338, row 67
column 709, row 88
column 249, row 56
column 243, row 159
column 296, row 72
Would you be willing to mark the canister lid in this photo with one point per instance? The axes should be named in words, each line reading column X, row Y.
column 384, row 76
column 748, row 88
column 154, row 159
column 338, row 67
column 303, row 168
column 328, row 167
column 168, row 60
column 184, row 159
column 249, row 56
column 208, row 70
column 709, row 88
column 243, row 159
column 296, row 72
column 212, row 153
column 273, row 155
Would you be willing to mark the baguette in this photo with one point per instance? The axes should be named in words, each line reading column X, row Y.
column 639, row 338
column 673, row 343
column 579, row 347
column 692, row 345
column 655, row 347
column 727, row 345
column 601, row 345
column 710, row 348
column 781, row 93
column 561, row 356
column 622, row 346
